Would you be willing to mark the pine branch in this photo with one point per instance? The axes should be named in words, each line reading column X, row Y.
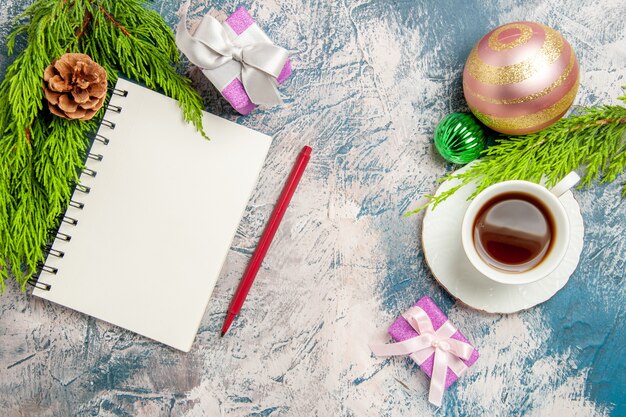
column 26, row 209
column 592, row 140
column 58, row 157
column 41, row 155
column 112, row 20
column 113, row 44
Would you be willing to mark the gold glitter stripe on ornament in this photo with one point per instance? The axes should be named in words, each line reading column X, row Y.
column 497, row 45
column 531, row 97
column 531, row 120
column 512, row 74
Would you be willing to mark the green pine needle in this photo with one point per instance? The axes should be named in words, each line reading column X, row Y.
column 41, row 155
column 592, row 140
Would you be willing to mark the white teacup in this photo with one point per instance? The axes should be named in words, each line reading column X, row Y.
column 560, row 235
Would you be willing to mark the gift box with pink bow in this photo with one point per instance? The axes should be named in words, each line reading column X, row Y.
column 237, row 57
column 425, row 334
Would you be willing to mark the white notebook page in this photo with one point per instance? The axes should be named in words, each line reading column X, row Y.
column 159, row 219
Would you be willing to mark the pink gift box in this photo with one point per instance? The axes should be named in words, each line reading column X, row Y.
column 226, row 51
column 401, row 330
column 240, row 23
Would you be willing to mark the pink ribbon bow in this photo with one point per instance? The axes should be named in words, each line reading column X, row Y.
column 449, row 353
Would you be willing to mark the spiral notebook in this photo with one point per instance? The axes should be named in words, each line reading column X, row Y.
column 149, row 227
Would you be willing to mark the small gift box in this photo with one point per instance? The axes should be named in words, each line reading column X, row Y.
column 237, row 57
column 424, row 333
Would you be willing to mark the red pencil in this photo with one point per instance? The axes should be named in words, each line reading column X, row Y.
column 267, row 237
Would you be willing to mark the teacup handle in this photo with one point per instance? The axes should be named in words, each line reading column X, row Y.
column 565, row 184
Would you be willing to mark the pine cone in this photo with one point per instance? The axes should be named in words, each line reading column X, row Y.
column 75, row 86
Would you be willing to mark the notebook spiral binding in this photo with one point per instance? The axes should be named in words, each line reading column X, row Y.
column 34, row 281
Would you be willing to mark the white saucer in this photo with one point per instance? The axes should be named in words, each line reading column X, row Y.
column 443, row 251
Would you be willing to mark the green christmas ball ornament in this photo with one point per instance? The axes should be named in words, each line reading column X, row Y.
column 460, row 138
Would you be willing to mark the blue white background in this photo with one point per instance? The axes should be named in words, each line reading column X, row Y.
column 371, row 80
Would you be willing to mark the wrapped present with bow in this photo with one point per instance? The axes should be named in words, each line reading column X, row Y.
column 237, row 57
column 425, row 334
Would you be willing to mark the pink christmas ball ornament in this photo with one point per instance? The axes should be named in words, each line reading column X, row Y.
column 520, row 78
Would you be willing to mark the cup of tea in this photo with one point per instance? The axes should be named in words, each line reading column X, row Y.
column 517, row 232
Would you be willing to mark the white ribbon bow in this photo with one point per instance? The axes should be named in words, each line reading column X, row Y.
column 449, row 353
column 210, row 48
